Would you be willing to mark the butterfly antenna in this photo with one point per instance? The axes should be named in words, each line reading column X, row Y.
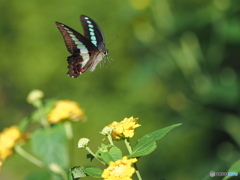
column 112, row 41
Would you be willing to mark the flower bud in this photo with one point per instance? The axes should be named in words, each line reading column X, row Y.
column 107, row 130
column 34, row 96
column 83, row 142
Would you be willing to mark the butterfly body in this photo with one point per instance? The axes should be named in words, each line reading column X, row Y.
column 88, row 50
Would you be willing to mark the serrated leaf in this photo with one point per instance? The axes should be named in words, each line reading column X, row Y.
column 115, row 153
column 146, row 144
column 106, row 157
column 104, row 147
column 93, row 172
column 144, row 150
column 51, row 145
column 234, row 168
column 77, row 172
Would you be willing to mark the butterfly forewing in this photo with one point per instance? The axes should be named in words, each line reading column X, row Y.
column 87, row 51
column 92, row 31
column 74, row 41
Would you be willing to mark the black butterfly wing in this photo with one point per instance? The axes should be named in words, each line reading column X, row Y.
column 80, row 47
column 75, row 42
column 75, row 65
column 92, row 32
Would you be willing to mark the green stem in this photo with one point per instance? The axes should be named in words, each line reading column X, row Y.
column 38, row 104
column 58, row 170
column 63, row 174
column 29, row 157
column 110, row 139
column 89, row 150
column 68, row 130
column 127, row 143
column 137, row 172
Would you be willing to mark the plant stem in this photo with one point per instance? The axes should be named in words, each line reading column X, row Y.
column 110, row 139
column 127, row 143
column 58, row 170
column 29, row 157
column 68, row 129
column 89, row 150
column 38, row 104
column 137, row 172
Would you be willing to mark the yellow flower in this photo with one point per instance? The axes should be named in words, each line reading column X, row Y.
column 64, row 110
column 119, row 170
column 124, row 129
column 8, row 138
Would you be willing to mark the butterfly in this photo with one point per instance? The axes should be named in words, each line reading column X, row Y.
column 88, row 50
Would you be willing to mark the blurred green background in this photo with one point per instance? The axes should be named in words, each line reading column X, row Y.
column 174, row 62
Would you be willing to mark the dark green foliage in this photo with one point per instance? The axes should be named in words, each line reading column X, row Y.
column 147, row 143
column 174, row 61
column 50, row 144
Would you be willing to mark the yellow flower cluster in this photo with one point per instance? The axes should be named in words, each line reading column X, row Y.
column 119, row 170
column 124, row 129
column 8, row 138
column 64, row 110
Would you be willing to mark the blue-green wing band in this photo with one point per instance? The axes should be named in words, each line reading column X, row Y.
column 92, row 31
column 75, row 42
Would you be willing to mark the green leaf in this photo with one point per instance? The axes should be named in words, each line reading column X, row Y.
column 24, row 123
column 146, row 144
column 145, row 150
column 76, row 173
column 93, row 172
column 104, row 147
column 106, row 157
column 115, row 153
column 38, row 176
column 91, row 157
column 48, row 106
column 50, row 145
column 234, row 168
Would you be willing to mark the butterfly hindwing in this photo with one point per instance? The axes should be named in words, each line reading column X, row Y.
column 87, row 51
column 75, row 66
